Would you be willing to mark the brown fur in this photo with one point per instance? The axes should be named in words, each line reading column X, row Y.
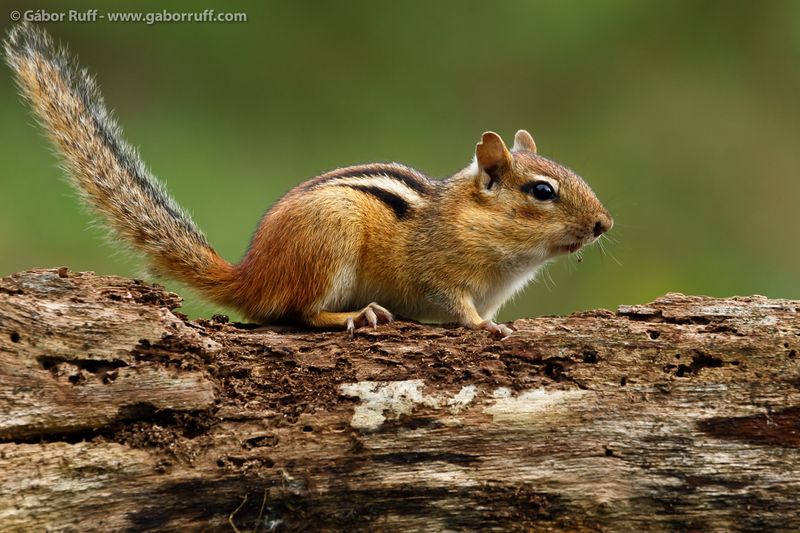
column 451, row 250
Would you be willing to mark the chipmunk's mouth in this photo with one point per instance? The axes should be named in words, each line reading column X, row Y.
column 568, row 248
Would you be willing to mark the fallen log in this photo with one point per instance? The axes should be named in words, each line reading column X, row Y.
column 116, row 413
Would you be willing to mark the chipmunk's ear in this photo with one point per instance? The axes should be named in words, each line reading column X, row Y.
column 492, row 156
column 523, row 142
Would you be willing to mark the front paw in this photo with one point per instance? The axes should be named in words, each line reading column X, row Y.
column 498, row 330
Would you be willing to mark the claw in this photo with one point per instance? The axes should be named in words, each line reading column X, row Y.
column 505, row 331
column 370, row 317
column 498, row 330
column 382, row 313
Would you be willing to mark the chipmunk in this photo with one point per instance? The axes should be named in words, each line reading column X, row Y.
column 341, row 249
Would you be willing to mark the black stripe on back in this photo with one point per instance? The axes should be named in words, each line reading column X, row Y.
column 409, row 179
column 396, row 203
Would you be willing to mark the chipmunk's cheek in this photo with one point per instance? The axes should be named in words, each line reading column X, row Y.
column 527, row 213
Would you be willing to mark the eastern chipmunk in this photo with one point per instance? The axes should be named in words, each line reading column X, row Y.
column 446, row 251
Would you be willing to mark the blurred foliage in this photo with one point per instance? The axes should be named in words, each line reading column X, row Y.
column 683, row 116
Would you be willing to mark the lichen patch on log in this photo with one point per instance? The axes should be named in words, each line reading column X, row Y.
column 399, row 398
column 509, row 407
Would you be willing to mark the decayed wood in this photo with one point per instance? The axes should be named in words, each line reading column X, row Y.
column 116, row 413
column 65, row 361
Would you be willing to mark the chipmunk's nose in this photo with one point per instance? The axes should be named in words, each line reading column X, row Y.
column 603, row 224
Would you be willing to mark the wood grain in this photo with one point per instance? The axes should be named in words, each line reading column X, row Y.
column 118, row 414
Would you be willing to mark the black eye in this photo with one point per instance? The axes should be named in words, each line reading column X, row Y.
column 541, row 190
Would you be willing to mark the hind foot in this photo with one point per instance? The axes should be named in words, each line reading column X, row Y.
column 371, row 315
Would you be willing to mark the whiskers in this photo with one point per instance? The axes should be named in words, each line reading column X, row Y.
column 607, row 253
column 604, row 243
column 547, row 277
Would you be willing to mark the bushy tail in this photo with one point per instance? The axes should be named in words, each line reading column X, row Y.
column 106, row 170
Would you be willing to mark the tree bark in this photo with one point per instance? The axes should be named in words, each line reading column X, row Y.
column 118, row 414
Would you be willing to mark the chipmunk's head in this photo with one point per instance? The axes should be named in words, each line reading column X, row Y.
column 540, row 203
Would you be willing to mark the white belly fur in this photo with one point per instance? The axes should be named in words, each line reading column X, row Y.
column 350, row 294
column 498, row 293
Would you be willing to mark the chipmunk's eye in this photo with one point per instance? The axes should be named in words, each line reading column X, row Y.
column 541, row 190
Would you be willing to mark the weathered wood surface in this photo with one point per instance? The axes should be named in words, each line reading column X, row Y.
column 115, row 414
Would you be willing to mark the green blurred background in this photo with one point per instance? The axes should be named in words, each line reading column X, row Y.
column 684, row 116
